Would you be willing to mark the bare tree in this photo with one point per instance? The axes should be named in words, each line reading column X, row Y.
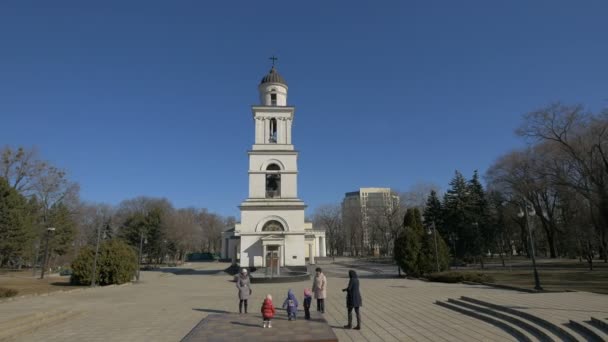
column 582, row 164
column 329, row 218
column 417, row 194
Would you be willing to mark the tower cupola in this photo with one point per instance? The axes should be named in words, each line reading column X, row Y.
column 273, row 89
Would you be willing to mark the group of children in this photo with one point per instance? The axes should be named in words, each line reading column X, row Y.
column 290, row 304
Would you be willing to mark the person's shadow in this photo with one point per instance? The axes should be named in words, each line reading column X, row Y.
column 213, row 311
column 246, row 324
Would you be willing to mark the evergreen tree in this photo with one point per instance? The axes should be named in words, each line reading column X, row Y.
column 62, row 220
column 456, row 222
column 481, row 232
column 15, row 225
column 409, row 244
column 151, row 225
column 433, row 213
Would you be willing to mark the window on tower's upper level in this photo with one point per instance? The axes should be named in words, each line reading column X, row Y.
column 273, row 181
column 273, row 99
column 273, row 131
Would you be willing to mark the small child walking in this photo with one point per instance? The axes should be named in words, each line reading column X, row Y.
column 307, row 301
column 291, row 304
column 267, row 311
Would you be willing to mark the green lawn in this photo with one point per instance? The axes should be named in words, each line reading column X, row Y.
column 554, row 276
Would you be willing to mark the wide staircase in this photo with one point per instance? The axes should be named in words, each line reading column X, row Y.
column 525, row 326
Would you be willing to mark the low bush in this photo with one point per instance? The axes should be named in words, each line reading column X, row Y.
column 116, row 264
column 458, row 277
column 5, row 293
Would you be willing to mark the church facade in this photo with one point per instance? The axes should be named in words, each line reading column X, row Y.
column 273, row 232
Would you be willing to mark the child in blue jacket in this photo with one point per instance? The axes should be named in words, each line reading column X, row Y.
column 291, row 304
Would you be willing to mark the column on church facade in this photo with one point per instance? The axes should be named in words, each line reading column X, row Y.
column 264, row 256
column 280, row 263
column 323, row 247
column 259, row 131
column 288, row 135
column 311, row 254
column 283, row 126
column 266, row 130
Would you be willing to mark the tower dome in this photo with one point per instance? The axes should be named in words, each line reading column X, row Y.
column 273, row 76
column 273, row 89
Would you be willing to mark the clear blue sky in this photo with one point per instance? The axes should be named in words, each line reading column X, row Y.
column 153, row 97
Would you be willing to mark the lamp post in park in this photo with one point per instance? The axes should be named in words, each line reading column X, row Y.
column 94, row 276
column 434, row 232
column 527, row 211
column 141, row 246
column 49, row 230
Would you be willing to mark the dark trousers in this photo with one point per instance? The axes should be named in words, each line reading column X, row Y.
column 321, row 305
column 306, row 310
column 243, row 301
column 350, row 316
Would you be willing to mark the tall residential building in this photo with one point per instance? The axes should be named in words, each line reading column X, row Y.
column 363, row 204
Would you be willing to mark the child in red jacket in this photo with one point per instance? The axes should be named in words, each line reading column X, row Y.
column 267, row 311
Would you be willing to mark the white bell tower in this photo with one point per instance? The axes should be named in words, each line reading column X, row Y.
column 272, row 228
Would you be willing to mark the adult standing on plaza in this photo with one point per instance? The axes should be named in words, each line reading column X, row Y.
column 243, row 283
column 319, row 287
column 353, row 299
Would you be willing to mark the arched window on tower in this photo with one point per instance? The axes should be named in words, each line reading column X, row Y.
column 273, row 131
column 273, row 99
column 273, row 181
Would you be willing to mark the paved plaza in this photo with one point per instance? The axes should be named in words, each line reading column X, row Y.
column 166, row 306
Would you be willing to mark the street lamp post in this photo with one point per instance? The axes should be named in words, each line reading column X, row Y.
column 141, row 246
column 524, row 213
column 94, row 276
column 434, row 232
column 49, row 230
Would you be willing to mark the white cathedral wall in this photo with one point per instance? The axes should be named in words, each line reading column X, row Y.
column 288, row 162
column 294, row 250
column 250, row 219
column 251, row 251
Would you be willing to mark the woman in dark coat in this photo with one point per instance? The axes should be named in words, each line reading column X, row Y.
column 353, row 300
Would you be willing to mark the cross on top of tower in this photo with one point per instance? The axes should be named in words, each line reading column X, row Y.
column 273, row 59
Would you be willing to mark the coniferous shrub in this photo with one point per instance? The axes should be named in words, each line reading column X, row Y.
column 458, row 277
column 5, row 292
column 116, row 264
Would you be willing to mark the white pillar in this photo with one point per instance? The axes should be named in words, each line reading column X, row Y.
column 280, row 258
column 311, row 254
column 259, row 131
column 283, row 126
column 323, row 247
column 288, row 133
column 264, row 256
column 266, row 131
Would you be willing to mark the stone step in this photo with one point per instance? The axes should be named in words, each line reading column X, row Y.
column 538, row 332
column 28, row 323
column 590, row 332
column 511, row 329
column 564, row 334
column 601, row 324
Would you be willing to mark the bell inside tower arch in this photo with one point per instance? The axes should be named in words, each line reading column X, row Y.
column 273, row 181
column 273, row 131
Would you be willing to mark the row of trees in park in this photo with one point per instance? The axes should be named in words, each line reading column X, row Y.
column 562, row 176
column 560, row 179
column 35, row 196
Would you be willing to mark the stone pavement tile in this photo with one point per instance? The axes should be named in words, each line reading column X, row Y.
column 166, row 308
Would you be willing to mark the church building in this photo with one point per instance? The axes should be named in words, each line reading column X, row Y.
column 273, row 232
